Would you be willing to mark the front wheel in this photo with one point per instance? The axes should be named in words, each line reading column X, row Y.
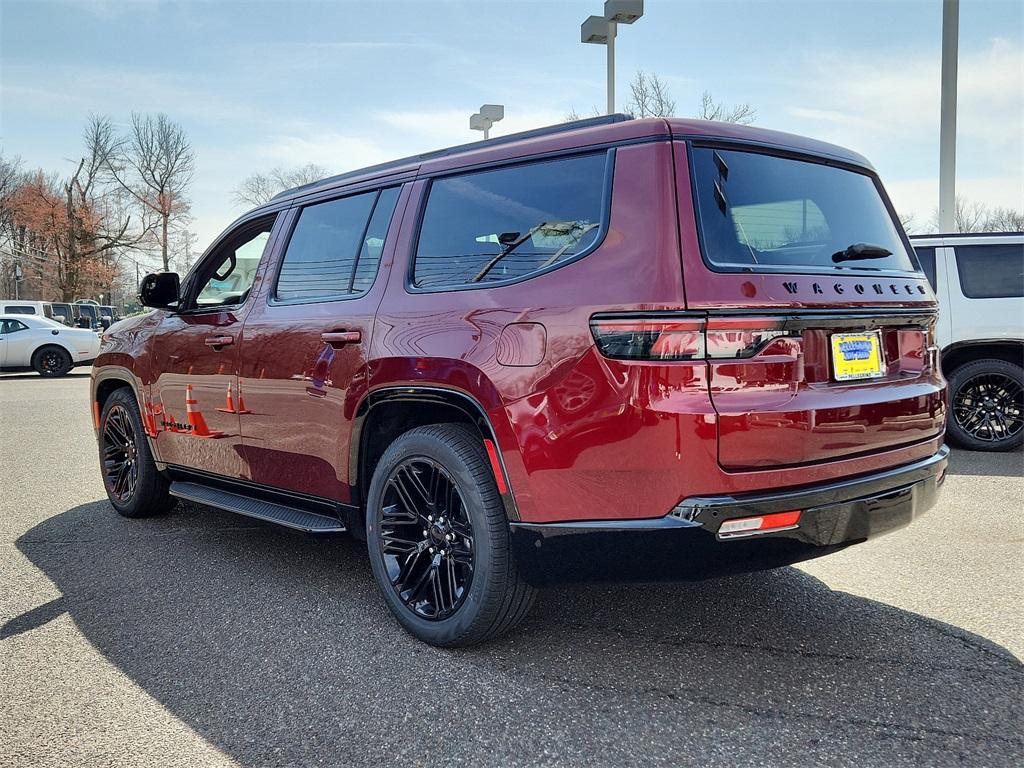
column 438, row 539
column 987, row 399
column 130, row 477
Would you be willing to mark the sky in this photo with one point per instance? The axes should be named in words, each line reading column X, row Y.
column 347, row 84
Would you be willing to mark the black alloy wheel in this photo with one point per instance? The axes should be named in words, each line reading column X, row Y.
column 990, row 407
column 439, row 540
column 119, row 453
column 51, row 361
column 426, row 538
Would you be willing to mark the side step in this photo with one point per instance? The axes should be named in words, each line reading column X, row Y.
column 270, row 511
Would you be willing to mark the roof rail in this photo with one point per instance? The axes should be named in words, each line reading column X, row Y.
column 549, row 130
column 923, row 235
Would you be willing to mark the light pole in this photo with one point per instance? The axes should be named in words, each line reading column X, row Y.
column 601, row 30
column 488, row 115
column 947, row 116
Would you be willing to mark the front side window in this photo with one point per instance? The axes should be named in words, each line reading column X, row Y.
column 766, row 212
column 508, row 223
column 229, row 278
column 991, row 271
column 335, row 248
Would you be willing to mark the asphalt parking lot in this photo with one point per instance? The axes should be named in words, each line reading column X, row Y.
column 203, row 638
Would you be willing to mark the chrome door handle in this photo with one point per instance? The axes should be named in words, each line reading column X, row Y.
column 219, row 341
column 340, row 338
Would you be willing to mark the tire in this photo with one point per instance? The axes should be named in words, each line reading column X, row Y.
column 475, row 592
column 51, row 361
column 987, row 405
column 139, row 490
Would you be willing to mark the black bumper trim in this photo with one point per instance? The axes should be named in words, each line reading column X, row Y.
column 685, row 544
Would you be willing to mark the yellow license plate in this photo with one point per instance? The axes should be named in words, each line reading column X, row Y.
column 857, row 356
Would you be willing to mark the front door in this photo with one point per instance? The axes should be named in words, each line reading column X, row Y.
column 303, row 357
column 195, row 357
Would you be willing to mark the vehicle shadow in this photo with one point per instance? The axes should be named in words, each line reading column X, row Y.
column 276, row 648
column 986, row 463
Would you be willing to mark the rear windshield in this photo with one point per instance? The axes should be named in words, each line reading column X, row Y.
column 766, row 212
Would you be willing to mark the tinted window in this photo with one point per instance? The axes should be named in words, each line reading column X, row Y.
column 764, row 211
column 16, row 309
column 991, row 271
column 373, row 243
column 507, row 223
column 926, row 256
column 336, row 246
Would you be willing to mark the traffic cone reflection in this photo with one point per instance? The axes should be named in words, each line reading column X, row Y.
column 241, row 399
column 229, row 406
column 195, row 417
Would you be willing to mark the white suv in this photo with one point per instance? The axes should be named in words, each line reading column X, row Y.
column 979, row 281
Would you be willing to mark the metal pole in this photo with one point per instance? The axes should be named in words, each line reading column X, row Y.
column 611, row 67
column 487, row 133
column 947, row 116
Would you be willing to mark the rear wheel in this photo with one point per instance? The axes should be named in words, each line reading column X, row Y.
column 987, row 405
column 438, row 539
column 51, row 361
column 133, row 484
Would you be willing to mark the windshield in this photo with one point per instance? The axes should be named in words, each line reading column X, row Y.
column 766, row 212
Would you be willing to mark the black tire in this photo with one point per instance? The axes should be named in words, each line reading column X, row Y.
column 493, row 597
column 986, row 400
column 51, row 361
column 130, row 477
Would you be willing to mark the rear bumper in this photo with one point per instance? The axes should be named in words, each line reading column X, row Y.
column 685, row 544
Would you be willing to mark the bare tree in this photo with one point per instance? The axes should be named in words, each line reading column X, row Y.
column 1004, row 220
column 649, row 97
column 907, row 222
column 973, row 216
column 572, row 115
column 261, row 187
column 154, row 164
column 744, row 114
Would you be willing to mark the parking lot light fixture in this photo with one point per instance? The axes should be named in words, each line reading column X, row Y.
column 488, row 115
column 601, row 30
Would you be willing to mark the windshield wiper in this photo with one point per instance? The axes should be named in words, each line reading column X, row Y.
column 859, row 251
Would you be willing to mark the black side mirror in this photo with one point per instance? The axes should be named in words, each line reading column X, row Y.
column 160, row 290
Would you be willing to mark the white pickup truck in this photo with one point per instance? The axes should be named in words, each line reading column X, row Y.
column 979, row 281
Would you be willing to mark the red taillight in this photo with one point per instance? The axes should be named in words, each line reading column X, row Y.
column 685, row 338
column 776, row 521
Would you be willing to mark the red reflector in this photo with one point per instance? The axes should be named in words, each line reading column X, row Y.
column 771, row 522
column 96, row 414
column 499, row 476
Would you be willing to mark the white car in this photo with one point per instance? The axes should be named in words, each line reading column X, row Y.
column 979, row 282
column 52, row 349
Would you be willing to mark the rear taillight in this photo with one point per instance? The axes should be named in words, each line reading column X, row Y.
column 649, row 339
column 686, row 338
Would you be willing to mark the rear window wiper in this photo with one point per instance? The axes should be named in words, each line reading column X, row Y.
column 859, row 251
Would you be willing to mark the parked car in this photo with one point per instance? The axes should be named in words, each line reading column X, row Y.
column 609, row 349
column 19, row 307
column 63, row 313
column 106, row 316
column 88, row 315
column 979, row 282
column 46, row 346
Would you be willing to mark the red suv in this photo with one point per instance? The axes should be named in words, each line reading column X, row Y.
column 609, row 349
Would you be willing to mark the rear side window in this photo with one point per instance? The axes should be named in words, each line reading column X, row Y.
column 762, row 212
column 926, row 257
column 19, row 309
column 509, row 223
column 991, row 271
column 12, row 326
column 335, row 248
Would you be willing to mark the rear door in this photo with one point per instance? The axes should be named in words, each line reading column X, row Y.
column 303, row 361
column 194, row 356
column 987, row 296
column 819, row 324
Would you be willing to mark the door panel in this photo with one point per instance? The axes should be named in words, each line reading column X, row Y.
column 191, row 405
column 303, row 359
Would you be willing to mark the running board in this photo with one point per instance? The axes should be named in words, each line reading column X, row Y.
column 292, row 517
